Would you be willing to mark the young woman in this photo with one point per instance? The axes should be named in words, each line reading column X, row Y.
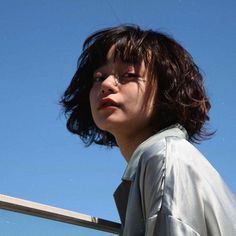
column 141, row 91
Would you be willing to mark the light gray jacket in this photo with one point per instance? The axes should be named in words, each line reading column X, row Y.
column 170, row 189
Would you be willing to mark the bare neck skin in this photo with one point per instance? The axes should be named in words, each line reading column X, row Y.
column 128, row 143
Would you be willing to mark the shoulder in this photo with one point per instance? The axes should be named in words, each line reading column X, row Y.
column 170, row 149
column 166, row 169
column 184, row 159
column 176, row 180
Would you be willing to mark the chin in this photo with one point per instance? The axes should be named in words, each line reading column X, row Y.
column 108, row 126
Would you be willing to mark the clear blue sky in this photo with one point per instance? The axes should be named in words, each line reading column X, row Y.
column 40, row 42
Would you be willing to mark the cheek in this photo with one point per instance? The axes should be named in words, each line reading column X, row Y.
column 136, row 98
column 142, row 102
column 92, row 100
column 93, row 95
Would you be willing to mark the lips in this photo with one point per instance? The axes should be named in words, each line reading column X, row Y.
column 107, row 103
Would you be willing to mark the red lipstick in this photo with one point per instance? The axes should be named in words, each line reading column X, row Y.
column 107, row 103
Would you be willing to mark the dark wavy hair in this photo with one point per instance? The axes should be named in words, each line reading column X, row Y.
column 180, row 93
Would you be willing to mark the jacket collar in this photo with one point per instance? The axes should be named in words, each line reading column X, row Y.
column 121, row 194
column 175, row 130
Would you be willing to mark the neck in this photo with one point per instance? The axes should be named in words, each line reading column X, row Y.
column 128, row 143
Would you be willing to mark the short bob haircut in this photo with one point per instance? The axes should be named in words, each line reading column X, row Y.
column 180, row 94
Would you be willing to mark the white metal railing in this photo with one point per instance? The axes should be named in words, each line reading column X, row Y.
column 57, row 214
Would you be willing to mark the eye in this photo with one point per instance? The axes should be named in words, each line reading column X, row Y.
column 128, row 77
column 98, row 79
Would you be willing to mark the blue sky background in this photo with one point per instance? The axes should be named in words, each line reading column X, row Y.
column 40, row 42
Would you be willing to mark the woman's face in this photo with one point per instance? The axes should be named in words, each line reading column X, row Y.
column 118, row 98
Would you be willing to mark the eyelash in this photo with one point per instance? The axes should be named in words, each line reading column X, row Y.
column 125, row 76
column 130, row 75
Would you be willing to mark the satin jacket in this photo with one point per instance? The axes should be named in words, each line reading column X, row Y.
column 170, row 189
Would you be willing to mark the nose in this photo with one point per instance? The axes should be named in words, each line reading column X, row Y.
column 109, row 85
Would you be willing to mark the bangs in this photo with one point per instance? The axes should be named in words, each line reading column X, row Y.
column 130, row 48
column 130, row 51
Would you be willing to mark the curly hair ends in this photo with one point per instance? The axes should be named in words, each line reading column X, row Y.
column 178, row 84
column 181, row 96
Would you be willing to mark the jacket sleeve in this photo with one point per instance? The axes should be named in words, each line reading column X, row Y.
column 166, row 225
